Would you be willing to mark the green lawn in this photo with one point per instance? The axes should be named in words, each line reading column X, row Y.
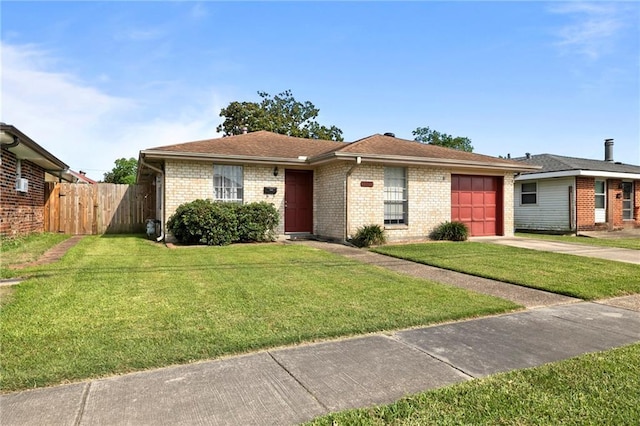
column 26, row 249
column 595, row 389
column 121, row 303
column 628, row 243
column 582, row 277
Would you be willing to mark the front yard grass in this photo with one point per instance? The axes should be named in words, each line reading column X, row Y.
column 576, row 276
column 593, row 389
column 26, row 249
column 120, row 303
column 627, row 243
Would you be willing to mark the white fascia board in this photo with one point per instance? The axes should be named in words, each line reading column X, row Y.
column 435, row 162
column 241, row 159
column 569, row 173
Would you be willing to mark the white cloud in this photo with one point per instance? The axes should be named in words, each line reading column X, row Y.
column 592, row 28
column 84, row 126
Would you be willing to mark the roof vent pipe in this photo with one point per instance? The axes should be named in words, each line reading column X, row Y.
column 608, row 150
column 392, row 135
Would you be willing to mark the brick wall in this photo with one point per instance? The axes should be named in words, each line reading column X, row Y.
column 429, row 196
column 614, row 204
column 508, row 220
column 186, row 181
column 329, row 200
column 585, row 203
column 20, row 213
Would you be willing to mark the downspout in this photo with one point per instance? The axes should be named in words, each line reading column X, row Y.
column 346, row 198
column 161, row 173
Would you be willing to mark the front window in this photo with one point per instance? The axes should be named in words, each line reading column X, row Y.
column 227, row 183
column 529, row 193
column 395, row 195
column 600, row 194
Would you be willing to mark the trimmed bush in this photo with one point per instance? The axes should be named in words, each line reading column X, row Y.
column 257, row 222
column 450, row 231
column 216, row 223
column 369, row 235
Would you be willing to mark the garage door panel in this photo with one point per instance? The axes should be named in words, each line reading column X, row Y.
column 490, row 213
column 464, row 183
column 465, row 214
column 477, row 202
column 490, row 198
column 477, row 198
column 465, row 198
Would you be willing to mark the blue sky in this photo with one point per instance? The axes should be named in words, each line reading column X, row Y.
column 96, row 81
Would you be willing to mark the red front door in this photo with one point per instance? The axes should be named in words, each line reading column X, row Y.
column 298, row 201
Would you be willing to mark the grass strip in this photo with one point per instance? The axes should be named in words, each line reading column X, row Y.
column 626, row 243
column 20, row 250
column 593, row 389
column 118, row 304
column 576, row 276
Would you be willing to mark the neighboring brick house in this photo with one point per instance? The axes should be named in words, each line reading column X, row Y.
column 576, row 194
column 25, row 167
column 330, row 189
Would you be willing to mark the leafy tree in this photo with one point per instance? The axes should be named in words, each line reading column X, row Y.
column 433, row 137
column 124, row 172
column 281, row 114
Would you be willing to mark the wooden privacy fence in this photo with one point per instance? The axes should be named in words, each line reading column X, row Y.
column 104, row 208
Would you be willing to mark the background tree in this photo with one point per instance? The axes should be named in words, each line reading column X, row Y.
column 124, row 172
column 433, row 137
column 281, row 114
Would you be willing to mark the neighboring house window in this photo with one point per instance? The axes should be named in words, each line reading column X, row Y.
column 227, row 183
column 529, row 193
column 395, row 195
column 600, row 194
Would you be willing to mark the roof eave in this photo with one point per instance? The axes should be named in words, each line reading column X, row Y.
column 245, row 159
column 570, row 173
column 37, row 154
column 422, row 161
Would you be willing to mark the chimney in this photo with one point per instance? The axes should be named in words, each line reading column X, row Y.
column 608, row 150
column 528, row 155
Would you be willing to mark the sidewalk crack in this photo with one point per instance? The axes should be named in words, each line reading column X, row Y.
column 299, row 382
column 83, row 404
column 419, row 349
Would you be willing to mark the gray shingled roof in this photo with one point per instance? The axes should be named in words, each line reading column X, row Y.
column 559, row 163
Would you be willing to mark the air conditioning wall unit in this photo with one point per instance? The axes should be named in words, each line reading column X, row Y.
column 22, row 185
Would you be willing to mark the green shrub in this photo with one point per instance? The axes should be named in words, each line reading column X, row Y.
column 257, row 222
column 450, row 231
column 216, row 223
column 369, row 235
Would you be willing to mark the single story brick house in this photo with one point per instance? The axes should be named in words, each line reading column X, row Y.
column 330, row 189
column 577, row 194
column 24, row 169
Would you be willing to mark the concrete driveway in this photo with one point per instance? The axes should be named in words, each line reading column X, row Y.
column 577, row 249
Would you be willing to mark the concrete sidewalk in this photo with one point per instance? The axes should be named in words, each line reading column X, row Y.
column 577, row 249
column 527, row 297
column 293, row 385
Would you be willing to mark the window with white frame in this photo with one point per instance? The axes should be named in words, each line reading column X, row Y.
column 395, row 195
column 529, row 193
column 600, row 194
column 227, row 183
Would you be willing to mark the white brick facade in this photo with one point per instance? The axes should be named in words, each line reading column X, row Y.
column 429, row 196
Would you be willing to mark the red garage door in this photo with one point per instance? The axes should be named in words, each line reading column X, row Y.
column 477, row 202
